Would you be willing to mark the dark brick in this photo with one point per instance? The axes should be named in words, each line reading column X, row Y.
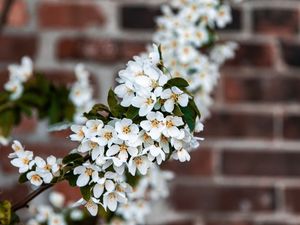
column 222, row 199
column 261, row 89
column 14, row 193
column 226, row 124
column 274, row 164
column 69, row 15
column 276, row 21
column 291, row 53
column 237, row 20
column 137, row 17
column 201, row 164
column 291, row 127
column 12, row 48
column 253, row 54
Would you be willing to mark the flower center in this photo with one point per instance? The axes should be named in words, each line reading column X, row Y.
column 175, row 97
column 47, row 167
column 123, row 147
column 169, row 124
column 138, row 161
column 108, row 135
column 36, row 178
column 93, row 145
column 25, row 161
column 149, row 101
column 155, row 123
column 89, row 171
column 112, row 196
column 126, row 130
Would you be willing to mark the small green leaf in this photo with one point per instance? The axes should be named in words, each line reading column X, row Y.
column 178, row 82
column 189, row 116
column 23, row 178
column 71, row 178
column 177, row 111
column 71, row 158
column 116, row 109
column 132, row 112
column 86, row 192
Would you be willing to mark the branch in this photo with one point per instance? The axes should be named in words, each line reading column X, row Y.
column 24, row 202
column 5, row 12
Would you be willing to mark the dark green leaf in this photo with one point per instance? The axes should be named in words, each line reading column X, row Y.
column 71, row 158
column 132, row 112
column 86, row 192
column 178, row 82
column 116, row 109
column 189, row 116
column 71, row 178
column 23, row 178
column 177, row 111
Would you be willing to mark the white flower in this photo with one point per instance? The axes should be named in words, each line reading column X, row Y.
column 44, row 212
column 123, row 149
column 105, row 136
column 182, row 155
column 145, row 103
column 76, row 215
column 111, row 199
column 17, row 147
column 80, row 94
column 92, row 127
column 223, row 16
column 172, row 124
column 56, row 219
column 21, row 72
column 50, row 166
column 4, row 140
column 138, row 162
column 79, row 134
column 85, row 172
column 57, row 199
column 174, row 96
column 126, row 130
column 23, row 161
column 155, row 152
column 102, row 184
column 15, row 87
column 126, row 93
column 36, row 178
column 154, row 125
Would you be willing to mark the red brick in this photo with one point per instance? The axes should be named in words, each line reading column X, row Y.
column 261, row 89
column 201, row 164
column 27, row 125
column 18, row 15
column 13, row 193
column 280, row 22
column 88, row 49
column 69, row 15
column 292, row 199
column 271, row 164
column 12, row 48
column 129, row 49
column 214, row 199
column 238, row 125
column 72, row 194
column 253, row 54
column 291, row 125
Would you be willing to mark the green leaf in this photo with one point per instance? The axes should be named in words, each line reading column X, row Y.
column 71, row 158
column 116, row 109
column 178, row 82
column 23, row 178
column 86, row 192
column 132, row 112
column 5, row 213
column 7, row 120
column 189, row 116
column 100, row 107
column 71, row 178
column 177, row 111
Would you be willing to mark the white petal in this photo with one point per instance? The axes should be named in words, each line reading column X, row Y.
column 169, row 105
column 82, row 180
column 109, row 185
column 98, row 190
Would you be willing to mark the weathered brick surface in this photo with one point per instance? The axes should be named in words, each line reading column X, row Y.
column 222, row 199
column 258, row 101
column 69, row 15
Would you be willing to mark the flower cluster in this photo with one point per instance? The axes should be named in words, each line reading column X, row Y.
column 186, row 27
column 37, row 170
column 81, row 94
column 18, row 74
column 154, row 121
column 56, row 213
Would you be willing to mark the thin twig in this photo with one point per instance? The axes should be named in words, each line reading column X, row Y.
column 24, row 202
column 5, row 12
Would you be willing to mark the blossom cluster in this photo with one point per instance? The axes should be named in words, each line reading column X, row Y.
column 187, row 34
column 57, row 213
column 81, row 93
column 148, row 133
column 18, row 75
column 37, row 170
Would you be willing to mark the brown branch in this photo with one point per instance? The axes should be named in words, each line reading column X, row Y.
column 5, row 12
column 24, row 202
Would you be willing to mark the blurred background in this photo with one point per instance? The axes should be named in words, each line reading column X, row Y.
column 247, row 170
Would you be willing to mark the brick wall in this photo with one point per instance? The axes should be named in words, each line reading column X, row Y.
column 248, row 169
